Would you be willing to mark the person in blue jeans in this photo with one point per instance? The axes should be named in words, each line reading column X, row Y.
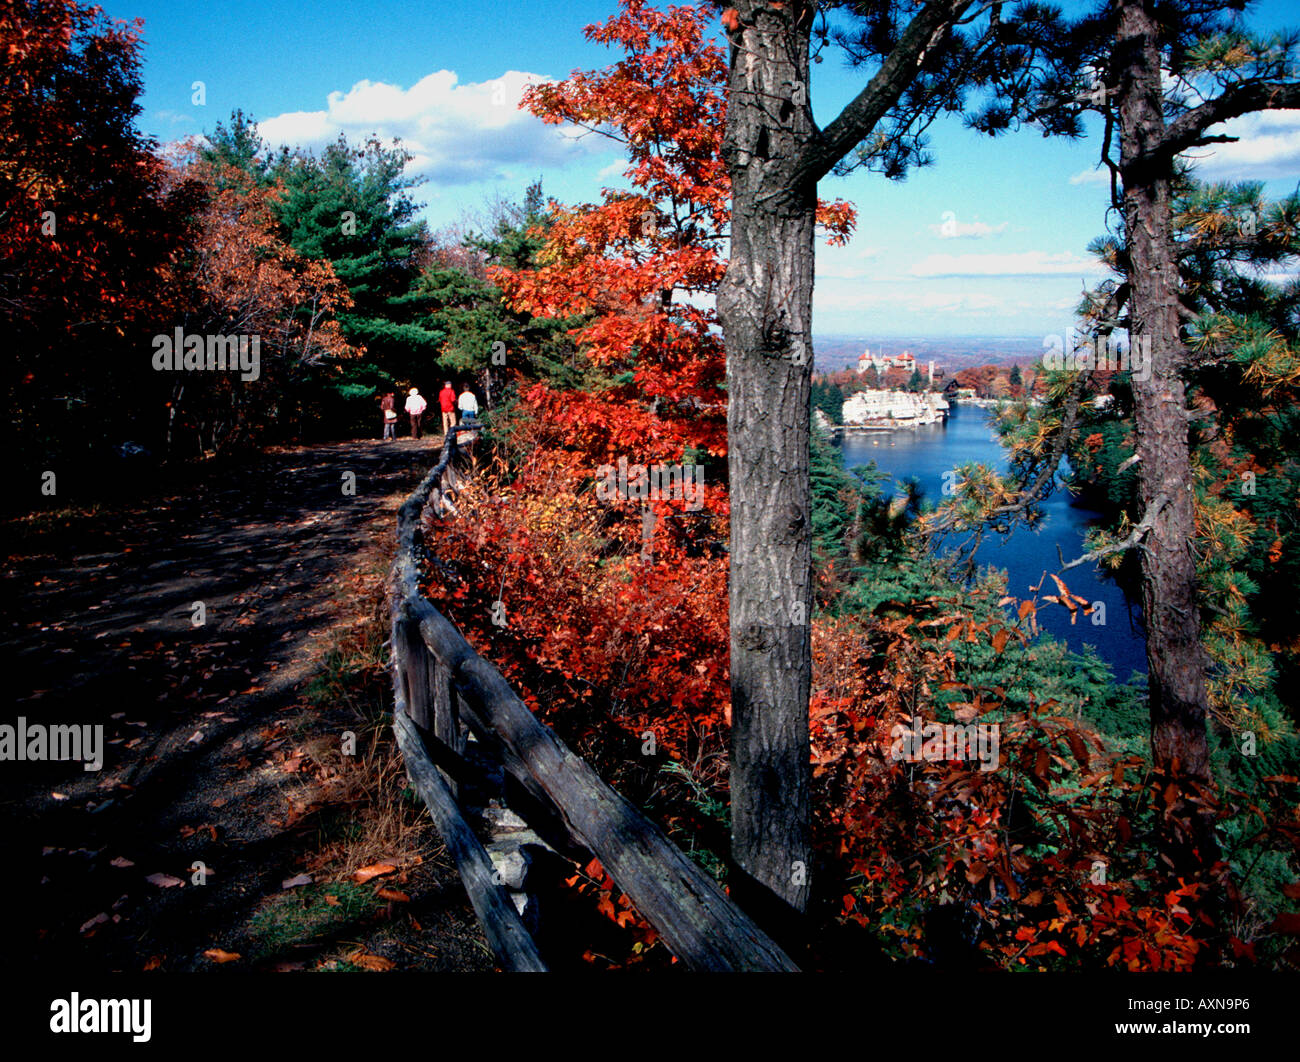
column 468, row 405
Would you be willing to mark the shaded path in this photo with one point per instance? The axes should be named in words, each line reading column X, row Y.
column 98, row 628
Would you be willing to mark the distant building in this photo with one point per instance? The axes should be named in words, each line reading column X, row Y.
column 882, row 362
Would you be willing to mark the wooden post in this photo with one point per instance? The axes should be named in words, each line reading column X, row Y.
column 417, row 661
column 446, row 717
column 510, row 941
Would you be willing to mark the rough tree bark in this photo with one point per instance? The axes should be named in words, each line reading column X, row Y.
column 775, row 155
column 1175, row 657
column 765, row 304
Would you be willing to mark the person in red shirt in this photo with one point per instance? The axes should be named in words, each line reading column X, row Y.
column 447, row 402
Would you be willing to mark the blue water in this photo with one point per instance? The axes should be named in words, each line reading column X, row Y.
column 926, row 453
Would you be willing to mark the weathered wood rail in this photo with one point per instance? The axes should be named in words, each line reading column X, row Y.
column 443, row 689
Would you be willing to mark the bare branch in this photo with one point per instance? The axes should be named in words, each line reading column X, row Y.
column 861, row 115
column 1187, row 130
column 1134, row 537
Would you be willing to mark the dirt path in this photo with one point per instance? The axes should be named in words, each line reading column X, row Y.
column 212, row 752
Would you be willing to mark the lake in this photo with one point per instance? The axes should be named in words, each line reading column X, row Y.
column 926, row 453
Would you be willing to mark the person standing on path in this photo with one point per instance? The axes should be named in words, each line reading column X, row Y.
column 447, row 401
column 415, row 406
column 388, row 410
column 468, row 405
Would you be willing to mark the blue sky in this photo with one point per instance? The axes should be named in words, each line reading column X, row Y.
column 989, row 241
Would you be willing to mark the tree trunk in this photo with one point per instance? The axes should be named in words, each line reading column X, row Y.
column 765, row 305
column 1175, row 656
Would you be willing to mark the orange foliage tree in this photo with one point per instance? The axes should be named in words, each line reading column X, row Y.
column 642, row 265
column 238, row 277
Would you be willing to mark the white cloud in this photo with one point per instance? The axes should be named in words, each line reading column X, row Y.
column 1100, row 175
column 952, row 229
column 458, row 133
column 1012, row 264
column 845, row 262
column 173, row 117
column 844, row 266
column 1269, row 147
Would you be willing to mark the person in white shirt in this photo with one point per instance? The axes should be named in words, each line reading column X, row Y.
column 415, row 406
column 468, row 405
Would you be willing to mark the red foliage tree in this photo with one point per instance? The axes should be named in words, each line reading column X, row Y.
column 644, row 265
column 84, row 227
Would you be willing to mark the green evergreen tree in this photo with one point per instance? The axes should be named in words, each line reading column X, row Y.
column 351, row 206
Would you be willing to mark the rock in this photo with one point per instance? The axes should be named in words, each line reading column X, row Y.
column 511, row 864
column 502, row 820
column 894, row 408
column 526, row 905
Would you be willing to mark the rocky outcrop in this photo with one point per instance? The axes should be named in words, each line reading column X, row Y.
column 893, row 409
column 822, row 421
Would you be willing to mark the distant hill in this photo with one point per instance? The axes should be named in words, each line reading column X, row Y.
column 950, row 353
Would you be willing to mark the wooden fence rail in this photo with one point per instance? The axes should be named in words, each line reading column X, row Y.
column 443, row 688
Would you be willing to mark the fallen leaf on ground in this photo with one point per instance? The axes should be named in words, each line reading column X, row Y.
column 99, row 919
column 393, row 894
column 122, row 861
column 163, row 881
column 370, row 962
column 294, row 882
column 154, row 963
column 375, row 870
column 217, row 955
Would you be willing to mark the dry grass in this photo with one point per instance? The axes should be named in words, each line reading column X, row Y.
column 378, row 820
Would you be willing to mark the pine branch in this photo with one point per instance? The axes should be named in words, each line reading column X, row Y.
column 1188, row 129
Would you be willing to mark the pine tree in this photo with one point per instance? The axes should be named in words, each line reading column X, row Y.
column 776, row 153
column 1137, row 62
